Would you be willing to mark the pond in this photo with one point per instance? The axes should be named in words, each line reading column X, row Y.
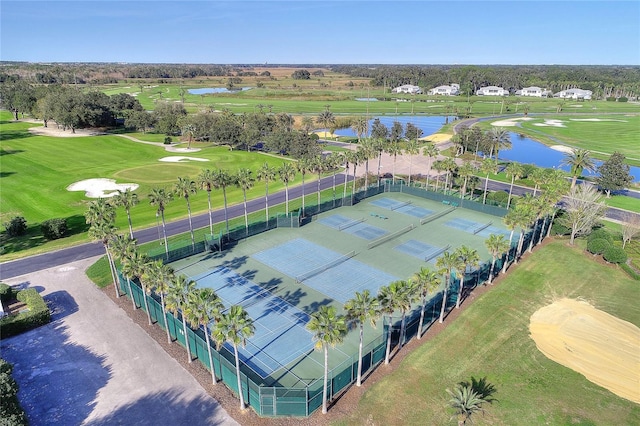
column 208, row 90
column 528, row 151
column 367, row 99
column 429, row 124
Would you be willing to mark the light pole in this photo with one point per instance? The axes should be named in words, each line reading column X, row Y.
column 158, row 226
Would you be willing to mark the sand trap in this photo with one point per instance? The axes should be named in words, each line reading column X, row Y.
column 562, row 148
column 97, row 188
column 551, row 123
column 53, row 130
column 183, row 150
column 596, row 119
column 327, row 135
column 180, row 159
column 603, row 348
column 510, row 122
column 436, row 137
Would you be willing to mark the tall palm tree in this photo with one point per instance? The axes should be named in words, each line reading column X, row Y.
column 346, row 159
column 318, row 166
column 465, row 171
column 328, row 329
column 360, row 126
column 129, row 269
column 397, row 295
column 159, row 276
column 160, row 197
column 360, row 308
column 245, row 181
column 105, row 232
column 440, row 167
column 204, row 306
column 426, row 281
column 185, row 187
column 538, row 176
column 497, row 245
column 430, row 151
column 511, row 221
column 466, row 402
column 355, row 158
column 578, row 160
column 450, row 167
column 525, row 214
column 100, row 211
column 515, row 171
column 126, row 199
column 207, row 180
column 487, row 167
column 411, row 149
column 394, row 149
column 266, row 173
column 499, row 139
column 303, row 166
column 177, row 301
column 446, row 263
column 408, row 293
column 140, row 263
column 366, row 150
column 326, row 119
column 467, row 258
column 332, row 163
column 224, row 179
column 234, row 327
column 286, row 172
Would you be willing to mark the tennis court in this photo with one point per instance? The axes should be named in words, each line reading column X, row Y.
column 284, row 275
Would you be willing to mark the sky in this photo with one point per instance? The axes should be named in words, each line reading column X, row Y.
column 577, row 32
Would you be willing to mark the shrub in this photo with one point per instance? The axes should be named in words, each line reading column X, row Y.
column 597, row 245
column 559, row 229
column 6, row 293
column 600, row 234
column 36, row 315
column 623, row 99
column 611, row 99
column 167, row 140
column 53, row 229
column 11, row 414
column 16, row 226
column 615, row 254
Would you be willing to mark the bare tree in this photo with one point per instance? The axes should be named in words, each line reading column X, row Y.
column 584, row 208
column 630, row 227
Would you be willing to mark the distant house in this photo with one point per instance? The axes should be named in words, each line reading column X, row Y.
column 447, row 90
column 492, row 91
column 574, row 94
column 530, row 91
column 407, row 88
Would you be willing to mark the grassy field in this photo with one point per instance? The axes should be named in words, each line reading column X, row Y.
column 491, row 338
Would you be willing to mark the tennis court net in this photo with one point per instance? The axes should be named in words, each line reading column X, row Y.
column 350, row 224
column 320, row 269
column 382, row 240
column 437, row 215
column 482, row 227
column 399, row 206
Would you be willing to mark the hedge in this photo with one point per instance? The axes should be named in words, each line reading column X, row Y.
column 615, row 255
column 597, row 245
column 36, row 315
column 11, row 414
column 630, row 271
column 6, row 293
column 600, row 233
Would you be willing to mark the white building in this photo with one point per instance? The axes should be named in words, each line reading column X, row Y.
column 574, row 94
column 407, row 88
column 492, row 91
column 446, row 90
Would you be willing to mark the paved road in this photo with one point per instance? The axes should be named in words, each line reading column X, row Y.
column 90, row 366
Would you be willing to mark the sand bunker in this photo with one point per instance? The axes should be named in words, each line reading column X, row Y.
column 551, row 123
column 181, row 159
column 97, row 188
column 511, row 122
column 436, row 137
column 600, row 346
column 325, row 135
column 562, row 148
column 183, row 150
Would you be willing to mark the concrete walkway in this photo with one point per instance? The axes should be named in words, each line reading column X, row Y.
column 93, row 365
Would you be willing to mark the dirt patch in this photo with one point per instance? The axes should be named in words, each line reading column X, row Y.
column 592, row 342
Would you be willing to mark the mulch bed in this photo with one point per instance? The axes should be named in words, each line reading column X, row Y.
column 344, row 405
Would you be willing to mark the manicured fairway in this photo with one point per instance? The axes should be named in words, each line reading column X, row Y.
column 491, row 338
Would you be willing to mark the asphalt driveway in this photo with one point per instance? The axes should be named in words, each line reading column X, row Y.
column 93, row 365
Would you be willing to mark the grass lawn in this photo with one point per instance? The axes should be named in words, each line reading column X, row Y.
column 491, row 338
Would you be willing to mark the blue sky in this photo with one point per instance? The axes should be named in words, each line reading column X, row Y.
column 322, row 32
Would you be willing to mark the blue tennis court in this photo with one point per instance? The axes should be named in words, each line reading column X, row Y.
column 339, row 281
column 367, row 232
column 494, row 230
column 335, row 221
column 402, row 207
column 280, row 334
column 420, row 249
column 414, row 211
column 386, row 203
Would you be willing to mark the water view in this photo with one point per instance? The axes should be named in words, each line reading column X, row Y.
column 429, row 124
column 208, row 90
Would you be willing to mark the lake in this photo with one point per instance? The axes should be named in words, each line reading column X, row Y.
column 208, row 90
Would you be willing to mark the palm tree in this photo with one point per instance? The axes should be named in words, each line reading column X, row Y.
column 355, row 158
column 204, row 306
column 184, row 188
column 538, row 176
column 177, row 300
column 129, row 269
column 267, row 174
column 104, row 232
column 160, row 197
column 487, row 167
column 126, row 199
column 397, row 295
column 427, row 281
column 307, row 124
column 465, row 402
column 578, row 160
column 303, row 166
column 440, row 167
column 286, row 172
column 431, row 151
column 465, row 171
column 326, row 119
column 515, row 171
column 223, row 179
column 360, row 126
column 450, row 167
column 140, row 263
column 411, row 149
column 245, row 181
column 318, row 165
column 207, row 180
column 446, row 263
column 328, row 329
column 497, row 245
column 346, row 159
column 366, row 150
column 394, row 150
column 499, row 139
column 467, row 258
column 159, row 276
column 510, row 220
column 234, row 327
column 525, row 214
column 332, row 163
column 100, row 211
column 361, row 308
